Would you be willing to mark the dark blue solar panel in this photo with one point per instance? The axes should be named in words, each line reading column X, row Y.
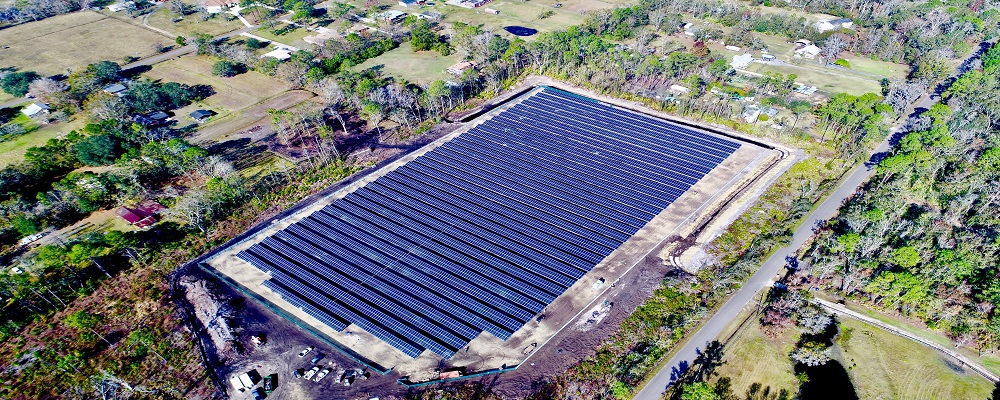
column 483, row 232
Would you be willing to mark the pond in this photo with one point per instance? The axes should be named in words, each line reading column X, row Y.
column 827, row 381
column 520, row 30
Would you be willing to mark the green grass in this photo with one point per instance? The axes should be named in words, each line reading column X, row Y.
column 421, row 67
column 881, row 365
column 284, row 35
column 192, row 23
column 886, row 366
column 754, row 358
column 828, row 81
column 12, row 151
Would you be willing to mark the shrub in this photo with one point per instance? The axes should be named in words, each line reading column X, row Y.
column 843, row 63
column 225, row 69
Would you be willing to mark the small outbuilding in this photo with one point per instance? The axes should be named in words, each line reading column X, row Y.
column 141, row 215
column 810, row 51
column 460, row 68
column 34, row 109
column 116, row 89
column 201, row 115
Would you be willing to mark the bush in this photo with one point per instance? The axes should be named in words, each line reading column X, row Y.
column 843, row 63
column 254, row 44
column 225, row 69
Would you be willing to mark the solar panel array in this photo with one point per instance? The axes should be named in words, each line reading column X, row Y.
column 481, row 233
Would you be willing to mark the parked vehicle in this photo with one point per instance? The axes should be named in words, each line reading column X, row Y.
column 298, row 373
column 270, row 382
column 317, row 358
column 310, row 373
column 322, row 374
column 258, row 394
column 306, row 351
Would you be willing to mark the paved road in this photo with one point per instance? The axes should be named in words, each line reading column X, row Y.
column 772, row 266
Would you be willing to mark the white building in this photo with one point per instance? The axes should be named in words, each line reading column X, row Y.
column 34, row 109
column 810, row 51
column 741, row 61
column 827, row 25
column 121, row 6
column 217, row 6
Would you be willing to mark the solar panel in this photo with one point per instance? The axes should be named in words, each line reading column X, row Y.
column 483, row 232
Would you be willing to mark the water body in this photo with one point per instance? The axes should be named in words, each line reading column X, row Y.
column 827, row 381
column 520, row 30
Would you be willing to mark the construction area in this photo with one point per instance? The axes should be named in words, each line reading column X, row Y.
column 520, row 230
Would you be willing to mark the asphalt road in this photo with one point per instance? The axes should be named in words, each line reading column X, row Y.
column 769, row 271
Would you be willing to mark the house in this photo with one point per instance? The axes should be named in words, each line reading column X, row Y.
column 280, row 53
column 154, row 118
column 201, row 115
column 751, row 113
column 460, row 68
column 391, row 16
column 810, row 51
column 34, row 109
column 121, row 6
column 741, row 61
column 217, row 6
column 321, row 36
column 407, row 3
column 141, row 215
column 116, row 89
column 429, row 15
column 827, row 25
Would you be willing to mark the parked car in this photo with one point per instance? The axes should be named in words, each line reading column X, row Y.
column 306, row 351
column 322, row 374
column 310, row 373
column 317, row 358
column 270, row 382
column 258, row 394
column 298, row 373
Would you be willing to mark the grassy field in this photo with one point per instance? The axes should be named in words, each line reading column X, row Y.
column 830, row 81
column 52, row 45
column 881, row 365
column 754, row 358
column 12, row 151
column 892, row 367
column 231, row 94
column 419, row 67
column 192, row 23
column 291, row 37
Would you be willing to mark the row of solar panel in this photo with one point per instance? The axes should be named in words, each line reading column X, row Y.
column 479, row 234
column 640, row 125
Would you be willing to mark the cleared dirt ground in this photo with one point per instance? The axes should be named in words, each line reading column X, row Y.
column 631, row 273
column 52, row 45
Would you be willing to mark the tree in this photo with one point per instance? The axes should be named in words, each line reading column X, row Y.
column 16, row 83
column 225, row 69
column 422, row 37
column 97, row 150
column 813, row 321
column 811, row 353
column 180, row 40
column 699, row 391
column 195, row 209
column 47, row 89
column 82, row 320
column 700, row 49
column 104, row 106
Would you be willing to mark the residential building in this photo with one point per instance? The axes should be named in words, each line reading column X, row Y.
column 827, row 25
column 34, row 109
column 742, row 61
column 217, row 6
column 460, row 68
column 201, row 115
column 810, row 51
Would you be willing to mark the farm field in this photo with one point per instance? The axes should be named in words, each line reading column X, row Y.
column 192, row 23
column 881, row 365
column 42, row 46
column 828, row 81
column 12, row 151
column 421, row 67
